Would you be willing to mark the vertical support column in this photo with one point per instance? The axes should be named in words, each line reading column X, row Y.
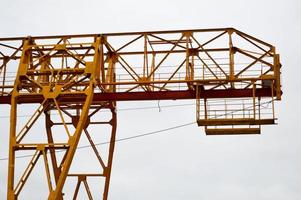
column 101, row 60
column 13, row 121
column 188, row 71
column 254, row 100
column 5, row 61
column 110, row 76
column 197, row 103
column 277, row 66
column 145, row 59
column 190, row 52
column 152, row 77
column 12, row 143
column 45, row 62
column 231, row 58
column 97, row 60
column 205, row 112
column 108, row 169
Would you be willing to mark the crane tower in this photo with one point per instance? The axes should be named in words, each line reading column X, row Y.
column 69, row 80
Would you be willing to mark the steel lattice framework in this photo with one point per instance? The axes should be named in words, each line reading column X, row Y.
column 234, row 78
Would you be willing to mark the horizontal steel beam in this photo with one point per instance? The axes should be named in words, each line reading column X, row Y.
column 136, row 96
column 118, row 34
column 123, row 52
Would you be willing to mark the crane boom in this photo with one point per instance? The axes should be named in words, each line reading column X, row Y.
column 234, row 78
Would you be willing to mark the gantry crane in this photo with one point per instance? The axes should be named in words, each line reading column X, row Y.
column 234, row 78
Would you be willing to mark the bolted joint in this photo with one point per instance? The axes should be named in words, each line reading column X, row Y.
column 75, row 120
column 51, row 93
column 230, row 31
column 187, row 34
column 112, row 56
column 82, row 177
column 193, row 52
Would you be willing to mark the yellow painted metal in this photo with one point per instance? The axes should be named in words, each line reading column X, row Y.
column 277, row 66
column 49, row 85
column 73, row 142
column 72, row 66
column 13, row 123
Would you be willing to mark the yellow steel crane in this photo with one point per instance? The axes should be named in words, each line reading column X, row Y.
column 234, row 78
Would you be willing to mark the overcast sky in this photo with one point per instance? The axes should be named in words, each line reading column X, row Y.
column 182, row 163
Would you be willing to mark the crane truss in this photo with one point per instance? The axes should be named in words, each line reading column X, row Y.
column 71, row 79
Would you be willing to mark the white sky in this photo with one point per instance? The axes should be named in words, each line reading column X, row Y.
column 183, row 163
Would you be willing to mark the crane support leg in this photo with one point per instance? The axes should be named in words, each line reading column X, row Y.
column 65, row 122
